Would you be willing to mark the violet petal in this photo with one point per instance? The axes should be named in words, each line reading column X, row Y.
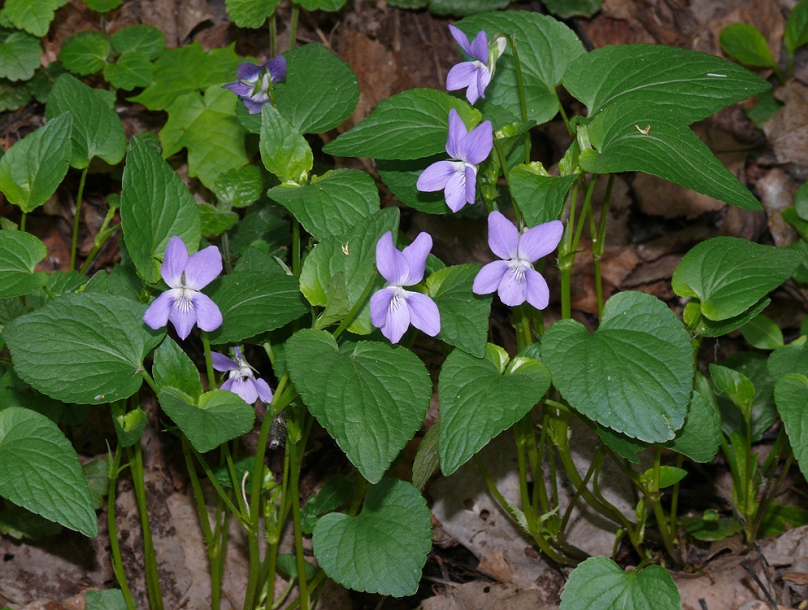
column 380, row 306
column 539, row 241
column 248, row 71
column 471, row 183
column 489, row 277
column 457, row 135
column 479, row 48
column 455, row 191
column 398, row 320
column 175, row 259
column 182, row 317
column 239, row 88
column 222, row 362
column 461, row 39
column 478, row 144
column 483, row 80
column 208, row 316
column 390, row 262
column 264, row 391
column 277, row 68
column 513, row 288
column 538, row 293
column 416, row 254
column 228, row 384
column 473, row 92
column 436, row 176
column 503, row 236
column 245, row 388
column 461, row 76
column 156, row 315
column 203, row 267
column 424, row 314
column 253, row 107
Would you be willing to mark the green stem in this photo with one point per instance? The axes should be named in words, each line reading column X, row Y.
column 77, row 219
column 293, row 26
column 49, row 292
column 503, row 161
column 149, row 381
column 115, row 548
column 294, row 492
column 520, row 85
column 22, row 221
column 97, row 248
column 219, row 491
column 585, row 211
column 675, row 497
column 599, row 244
column 348, row 320
column 565, row 257
column 654, row 499
column 208, row 361
column 210, row 540
column 295, row 248
column 273, row 35
column 149, row 556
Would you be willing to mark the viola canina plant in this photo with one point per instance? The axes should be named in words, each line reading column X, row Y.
column 293, row 267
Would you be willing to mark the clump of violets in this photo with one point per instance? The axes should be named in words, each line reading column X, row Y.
column 393, row 309
column 474, row 76
column 183, row 304
column 254, row 84
column 513, row 277
column 242, row 380
column 458, row 177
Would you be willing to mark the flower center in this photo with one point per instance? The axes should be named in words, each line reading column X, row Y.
column 243, row 372
column 260, row 87
column 518, row 267
column 399, row 297
column 184, row 299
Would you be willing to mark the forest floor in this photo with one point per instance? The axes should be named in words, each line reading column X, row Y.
column 479, row 560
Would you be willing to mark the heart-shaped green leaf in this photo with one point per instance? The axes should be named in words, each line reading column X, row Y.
column 688, row 84
column 145, row 40
column 479, row 398
column 216, row 417
column 40, row 471
column 19, row 55
column 332, row 203
column 700, row 436
column 253, row 302
column 381, row 550
column 85, row 53
column 19, row 254
column 744, row 42
column 791, row 395
column 409, row 125
column 546, row 49
column 763, row 333
column 173, row 368
column 155, row 206
column 131, row 71
column 250, row 13
column 540, row 198
column 463, row 314
column 599, row 582
column 239, row 187
column 97, row 130
column 83, row 348
column 633, row 375
column 284, row 150
column 789, row 359
column 33, row 16
column 728, row 275
column 370, row 397
column 34, row 167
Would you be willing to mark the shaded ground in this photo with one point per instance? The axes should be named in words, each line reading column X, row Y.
column 652, row 225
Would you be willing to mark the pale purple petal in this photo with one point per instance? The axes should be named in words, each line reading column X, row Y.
column 222, row 362
column 208, row 316
column 248, row 71
column 277, row 68
column 513, row 288
column 424, row 314
column 203, row 267
column 264, row 391
column 228, row 384
column 244, row 388
column 239, row 88
column 156, row 315
column 398, row 320
column 174, row 261
column 540, row 241
column 455, row 191
column 479, row 47
column 489, row 277
column 457, row 134
column 436, row 176
column 461, row 39
column 253, row 107
column 538, row 294
column 182, row 317
column 503, row 236
column 476, row 147
column 416, row 254
column 379, row 306
column 483, row 80
column 473, row 92
column 390, row 262
column 461, row 76
column 471, row 183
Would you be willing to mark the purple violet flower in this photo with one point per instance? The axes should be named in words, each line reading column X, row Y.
column 254, row 82
column 474, row 76
column 393, row 309
column 183, row 304
column 458, row 178
column 242, row 381
column 514, row 277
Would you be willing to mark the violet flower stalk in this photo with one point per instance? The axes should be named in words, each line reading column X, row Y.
column 242, row 380
column 474, row 76
column 458, row 177
column 393, row 309
column 254, row 84
column 514, row 278
column 184, row 305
